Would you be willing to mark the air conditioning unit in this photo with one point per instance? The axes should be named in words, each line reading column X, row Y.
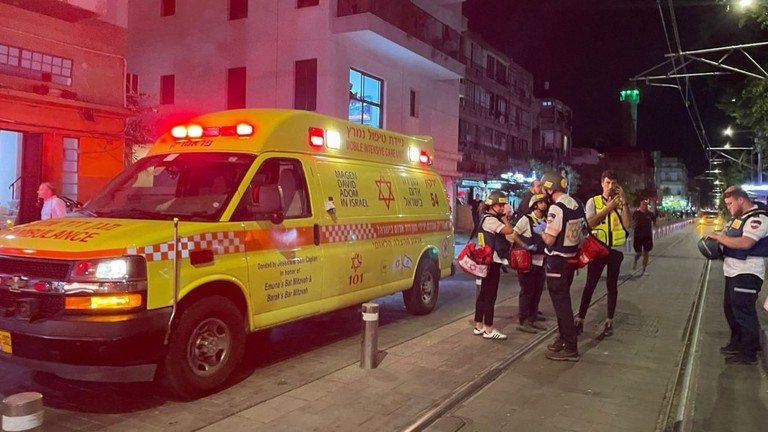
column 502, row 119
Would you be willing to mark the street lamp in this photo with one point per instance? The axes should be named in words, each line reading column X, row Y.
column 729, row 131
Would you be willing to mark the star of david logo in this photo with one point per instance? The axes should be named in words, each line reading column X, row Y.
column 357, row 262
column 385, row 190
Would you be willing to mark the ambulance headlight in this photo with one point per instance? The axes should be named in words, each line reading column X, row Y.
column 129, row 268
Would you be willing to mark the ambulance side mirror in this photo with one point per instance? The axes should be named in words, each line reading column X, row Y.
column 266, row 203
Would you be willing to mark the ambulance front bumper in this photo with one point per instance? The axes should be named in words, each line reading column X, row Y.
column 110, row 348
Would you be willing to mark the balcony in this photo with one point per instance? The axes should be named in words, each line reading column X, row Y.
column 66, row 10
column 400, row 30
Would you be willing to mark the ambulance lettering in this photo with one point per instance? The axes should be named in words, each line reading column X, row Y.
column 349, row 195
column 357, row 262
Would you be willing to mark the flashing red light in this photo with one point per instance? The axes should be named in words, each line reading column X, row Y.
column 195, row 131
column 179, row 132
column 316, row 137
column 424, row 158
column 244, row 129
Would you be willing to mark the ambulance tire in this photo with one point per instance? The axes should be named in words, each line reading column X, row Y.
column 205, row 348
column 421, row 298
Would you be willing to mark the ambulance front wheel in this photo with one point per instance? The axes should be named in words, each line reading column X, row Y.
column 421, row 298
column 205, row 348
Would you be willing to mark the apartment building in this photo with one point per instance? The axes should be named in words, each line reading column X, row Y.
column 62, row 99
column 672, row 181
column 495, row 125
column 553, row 132
column 391, row 64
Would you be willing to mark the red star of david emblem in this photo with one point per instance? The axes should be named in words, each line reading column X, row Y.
column 385, row 190
column 357, row 262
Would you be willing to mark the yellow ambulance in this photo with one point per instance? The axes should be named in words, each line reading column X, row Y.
column 234, row 222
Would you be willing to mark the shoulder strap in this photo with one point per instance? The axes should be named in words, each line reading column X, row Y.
column 756, row 212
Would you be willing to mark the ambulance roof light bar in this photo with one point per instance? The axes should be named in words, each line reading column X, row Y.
column 195, row 131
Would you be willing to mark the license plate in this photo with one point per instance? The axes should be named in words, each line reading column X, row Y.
column 6, row 345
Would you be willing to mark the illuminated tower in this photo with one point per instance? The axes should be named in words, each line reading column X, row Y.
column 629, row 100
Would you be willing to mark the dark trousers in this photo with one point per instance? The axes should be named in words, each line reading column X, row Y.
column 559, row 274
column 486, row 298
column 594, row 271
column 531, row 287
column 739, row 307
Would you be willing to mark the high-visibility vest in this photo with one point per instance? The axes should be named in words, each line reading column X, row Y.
column 610, row 230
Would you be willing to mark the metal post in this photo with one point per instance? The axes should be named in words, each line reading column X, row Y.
column 23, row 412
column 370, row 347
column 759, row 162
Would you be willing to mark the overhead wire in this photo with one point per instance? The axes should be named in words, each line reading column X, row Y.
column 686, row 92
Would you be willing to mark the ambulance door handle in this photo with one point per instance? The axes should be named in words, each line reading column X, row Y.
column 316, row 229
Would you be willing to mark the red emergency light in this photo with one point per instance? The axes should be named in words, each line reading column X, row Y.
column 316, row 137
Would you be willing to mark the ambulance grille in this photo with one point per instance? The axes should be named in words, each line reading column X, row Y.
column 50, row 304
column 35, row 268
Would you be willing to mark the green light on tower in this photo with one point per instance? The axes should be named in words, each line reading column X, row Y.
column 630, row 96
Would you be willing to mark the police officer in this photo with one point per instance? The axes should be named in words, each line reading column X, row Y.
column 563, row 236
column 494, row 227
column 745, row 244
column 607, row 215
column 527, row 234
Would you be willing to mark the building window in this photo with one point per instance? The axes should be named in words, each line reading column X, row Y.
column 167, row 89
column 366, row 95
column 238, row 9
column 131, row 84
column 167, row 7
column 69, row 168
column 305, row 85
column 414, row 112
column 35, row 65
column 306, row 3
column 236, row 88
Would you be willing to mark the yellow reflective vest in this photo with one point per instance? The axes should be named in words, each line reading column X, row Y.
column 610, row 230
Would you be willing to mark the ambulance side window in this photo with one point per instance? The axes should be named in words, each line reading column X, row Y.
column 288, row 175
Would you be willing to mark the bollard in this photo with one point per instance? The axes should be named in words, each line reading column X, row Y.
column 370, row 346
column 23, row 412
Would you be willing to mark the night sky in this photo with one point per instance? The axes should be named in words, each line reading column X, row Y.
column 588, row 50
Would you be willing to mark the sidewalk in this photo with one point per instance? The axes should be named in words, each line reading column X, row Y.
column 621, row 379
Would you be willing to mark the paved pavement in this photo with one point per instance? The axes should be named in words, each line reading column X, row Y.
column 619, row 384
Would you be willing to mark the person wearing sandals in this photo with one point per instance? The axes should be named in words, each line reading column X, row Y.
column 494, row 227
column 563, row 236
column 607, row 216
column 528, row 235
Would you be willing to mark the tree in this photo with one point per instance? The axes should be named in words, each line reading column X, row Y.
column 140, row 127
column 567, row 171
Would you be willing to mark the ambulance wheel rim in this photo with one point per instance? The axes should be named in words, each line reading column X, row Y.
column 427, row 287
column 209, row 347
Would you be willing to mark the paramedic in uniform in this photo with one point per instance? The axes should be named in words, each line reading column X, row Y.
column 607, row 215
column 563, row 236
column 528, row 235
column 745, row 245
column 494, row 227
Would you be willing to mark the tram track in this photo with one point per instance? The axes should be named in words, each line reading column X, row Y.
column 441, row 409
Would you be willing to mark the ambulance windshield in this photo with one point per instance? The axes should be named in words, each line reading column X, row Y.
column 190, row 186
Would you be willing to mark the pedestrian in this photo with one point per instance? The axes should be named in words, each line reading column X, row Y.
column 563, row 236
column 53, row 206
column 607, row 216
column 527, row 234
column 494, row 227
column 533, row 189
column 474, row 205
column 744, row 248
column 643, row 221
